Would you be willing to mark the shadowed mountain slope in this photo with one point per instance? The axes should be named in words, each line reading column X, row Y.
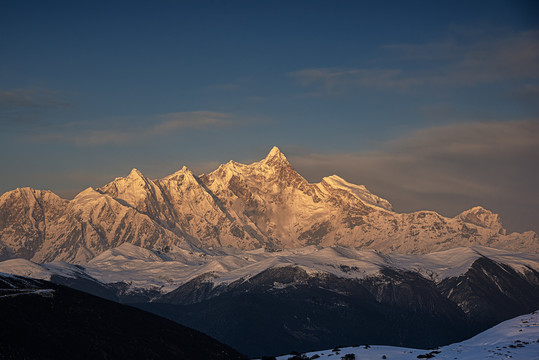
column 41, row 320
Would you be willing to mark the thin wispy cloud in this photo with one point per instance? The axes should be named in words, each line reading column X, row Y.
column 222, row 87
column 507, row 58
column 438, row 111
column 456, row 62
column 26, row 104
column 341, row 81
column 528, row 93
column 30, row 98
column 190, row 120
column 234, row 85
column 158, row 125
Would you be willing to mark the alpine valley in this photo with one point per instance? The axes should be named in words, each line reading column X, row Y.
column 266, row 262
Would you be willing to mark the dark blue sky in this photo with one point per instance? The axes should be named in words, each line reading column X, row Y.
column 432, row 104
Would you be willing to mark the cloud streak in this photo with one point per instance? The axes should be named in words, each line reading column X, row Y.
column 27, row 104
column 340, row 81
column 454, row 63
column 30, row 98
column 160, row 125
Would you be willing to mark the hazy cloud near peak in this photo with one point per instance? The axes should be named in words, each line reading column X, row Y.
column 159, row 125
column 471, row 139
column 448, row 169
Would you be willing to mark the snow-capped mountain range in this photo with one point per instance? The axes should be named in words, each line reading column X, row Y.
column 266, row 204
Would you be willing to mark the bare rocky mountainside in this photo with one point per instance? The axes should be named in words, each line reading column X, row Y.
column 266, row 204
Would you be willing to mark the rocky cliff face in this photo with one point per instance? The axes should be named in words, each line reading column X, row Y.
column 264, row 204
column 26, row 216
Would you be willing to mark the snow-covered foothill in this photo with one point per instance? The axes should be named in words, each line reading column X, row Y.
column 516, row 339
column 26, row 268
column 147, row 269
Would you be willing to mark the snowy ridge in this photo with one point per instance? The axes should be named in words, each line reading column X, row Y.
column 266, row 204
column 146, row 269
column 452, row 263
column 342, row 262
column 358, row 190
column 26, row 268
column 512, row 339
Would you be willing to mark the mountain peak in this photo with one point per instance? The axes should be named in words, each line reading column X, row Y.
column 132, row 183
column 480, row 216
column 24, row 191
column 87, row 193
column 180, row 174
column 275, row 152
column 134, row 174
column 275, row 156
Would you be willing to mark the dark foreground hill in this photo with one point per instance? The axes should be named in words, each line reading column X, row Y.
column 41, row 320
